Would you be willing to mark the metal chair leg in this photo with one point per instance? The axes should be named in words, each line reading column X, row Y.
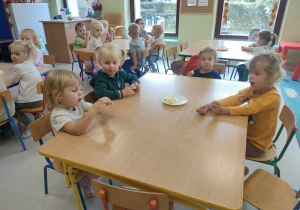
column 20, row 137
column 81, row 196
column 11, row 128
column 110, row 182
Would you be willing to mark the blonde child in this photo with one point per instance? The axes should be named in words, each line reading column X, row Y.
column 180, row 67
column 27, row 75
column 156, row 40
column 264, row 44
column 82, row 38
column 262, row 105
column 143, row 33
column 110, row 82
column 207, row 58
column 106, row 37
column 96, row 31
column 30, row 36
column 69, row 113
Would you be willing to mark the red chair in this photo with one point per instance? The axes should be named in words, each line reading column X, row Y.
column 296, row 73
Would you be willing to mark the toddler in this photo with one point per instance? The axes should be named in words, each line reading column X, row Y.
column 96, row 29
column 106, row 37
column 82, row 38
column 180, row 67
column 27, row 75
column 143, row 33
column 110, row 82
column 136, row 44
column 264, row 44
column 262, row 105
column 207, row 58
column 156, row 40
column 69, row 113
column 30, row 36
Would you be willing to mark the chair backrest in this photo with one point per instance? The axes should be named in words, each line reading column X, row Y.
column 130, row 199
column 288, row 119
column 220, row 68
column 40, row 127
column 86, row 56
column 253, row 35
column 7, row 95
column 114, row 20
column 49, row 59
column 71, row 46
column 40, row 87
column 91, row 97
column 171, row 51
column 183, row 46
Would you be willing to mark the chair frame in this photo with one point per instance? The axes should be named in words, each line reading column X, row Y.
column 246, row 72
column 49, row 59
column 143, row 54
column 158, row 57
column 6, row 98
column 81, row 62
column 167, row 56
column 72, row 53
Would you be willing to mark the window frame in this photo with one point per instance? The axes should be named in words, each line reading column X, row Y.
column 132, row 14
column 277, row 26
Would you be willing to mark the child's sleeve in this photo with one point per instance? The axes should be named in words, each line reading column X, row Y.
column 132, row 48
column 130, row 78
column 235, row 100
column 101, row 90
column 58, row 120
column 16, row 75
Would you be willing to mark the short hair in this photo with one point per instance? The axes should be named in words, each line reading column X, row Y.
column 271, row 65
column 159, row 28
column 267, row 37
column 176, row 65
column 134, row 29
column 28, row 48
column 79, row 25
column 95, row 24
column 33, row 34
column 104, row 22
column 209, row 49
column 110, row 51
column 55, row 83
column 138, row 20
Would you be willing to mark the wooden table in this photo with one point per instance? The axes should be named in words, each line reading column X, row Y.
column 144, row 143
column 233, row 54
column 7, row 68
column 122, row 43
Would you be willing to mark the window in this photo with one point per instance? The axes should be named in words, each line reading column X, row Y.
column 235, row 18
column 164, row 12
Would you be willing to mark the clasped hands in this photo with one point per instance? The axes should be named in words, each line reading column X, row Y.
column 214, row 107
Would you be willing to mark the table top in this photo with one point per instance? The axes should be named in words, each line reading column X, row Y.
column 8, row 68
column 147, row 144
column 290, row 44
column 122, row 43
column 234, row 49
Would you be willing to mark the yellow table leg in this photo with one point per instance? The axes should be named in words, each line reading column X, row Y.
column 65, row 165
column 75, row 190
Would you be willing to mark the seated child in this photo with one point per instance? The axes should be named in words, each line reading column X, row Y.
column 262, row 107
column 30, row 36
column 156, row 40
column 207, row 58
column 82, row 38
column 106, row 37
column 143, row 33
column 27, row 75
column 96, row 31
column 110, row 82
column 69, row 113
column 180, row 67
column 135, row 45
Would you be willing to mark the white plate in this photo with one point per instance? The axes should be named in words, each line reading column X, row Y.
column 223, row 49
column 180, row 100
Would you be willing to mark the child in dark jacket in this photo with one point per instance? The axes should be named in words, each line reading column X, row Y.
column 110, row 82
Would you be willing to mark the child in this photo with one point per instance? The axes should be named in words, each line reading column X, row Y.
column 143, row 33
column 95, row 42
column 262, row 106
column 207, row 58
column 106, row 37
column 110, row 82
column 135, row 45
column 82, row 38
column 27, row 75
column 264, row 44
column 180, row 67
column 156, row 40
column 69, row 112
column 30, row 36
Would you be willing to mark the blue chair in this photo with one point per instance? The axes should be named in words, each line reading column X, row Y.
column 86, row 56
column 71, row 49
column 6, row 98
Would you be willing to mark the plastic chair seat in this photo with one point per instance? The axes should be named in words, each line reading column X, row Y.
column 4, row 122
column 269, row 155
column 88, row 70
column 35, row 109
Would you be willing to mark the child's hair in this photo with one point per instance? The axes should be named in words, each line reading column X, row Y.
column 138, row 20
column 267, row 37
column 176, row 65
column 79, row 25
column 95, row 24
column 104, row 22
column 110, row 51
column 28, row 48
column 209, row 49
column 55, row 83
column 159, row 28
column 272, row 66
column 134, row 30
column 33, row 34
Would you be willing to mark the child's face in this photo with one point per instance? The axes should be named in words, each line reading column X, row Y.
column 97, row 33
column 141, row 25
column 26, row 37
column 206, row 61
column 110, row 67
column 71, row 97
column 154, row 32
column 18, row 55
column 81, row 32
column 258, row 78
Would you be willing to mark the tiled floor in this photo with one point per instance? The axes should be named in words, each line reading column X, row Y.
column 22, row 173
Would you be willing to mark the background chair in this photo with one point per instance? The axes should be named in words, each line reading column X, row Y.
column 183, row 45
column 143, row 54
column 157, row 48
column 114, row 20
column 71, row 49
column 289, row 123
column 49, row 59
column 169, row 52
column 252, row 37
column 86, row 56
column 35, row 110
column 91, row 97
column 123, row 199
column 5, row 99
column 39, row 129
column 266, row 191
column 220, row 68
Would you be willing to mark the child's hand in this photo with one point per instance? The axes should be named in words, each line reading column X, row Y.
column 101, row 105
column 131, row 90
column 216, row 107
column 202, row 109
column 87, row 33
column 243, row 47
column 137, row 87
column 190, row 73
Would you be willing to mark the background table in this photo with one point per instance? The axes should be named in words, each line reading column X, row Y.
column 122, row 43
column 287, row 45
column 147, row 144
